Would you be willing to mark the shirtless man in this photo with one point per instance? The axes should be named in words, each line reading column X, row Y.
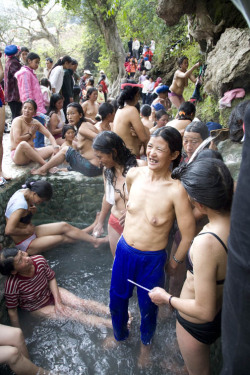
column 145, row 114
column 31, row 285
column 184, row 117
column 23, row 132
column 127, row 119
column 155, row 200
column 180, row 81
column 83, row 159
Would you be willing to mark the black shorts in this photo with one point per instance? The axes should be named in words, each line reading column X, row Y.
column 80, row 164
column 207, row 333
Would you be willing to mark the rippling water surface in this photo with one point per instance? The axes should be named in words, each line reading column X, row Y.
column 71, row 348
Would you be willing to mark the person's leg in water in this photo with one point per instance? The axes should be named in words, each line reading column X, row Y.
column 25, row 153
column 13, row 351
column 2, row 123
column 70, row 305
column 195, row 353
column 59, row 158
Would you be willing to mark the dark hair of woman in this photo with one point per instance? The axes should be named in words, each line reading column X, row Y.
column 66, row 128
column 207, row 181
column 128, row 93
column 7, row 256
column 185, row 111
column 109, row 142
column 24, row 49
column 42, row 188
column 62, row 61
column 160, row 113
column 32, row 56
column 79, row 109
column 90, row 92
column 32, row 102
column 173, row 139
column 91, row 82
column 45, row 82
column 207, row 153
column 52, row 104
column 146, row 110
column 105, row 109
column 181, row 59
column 198, row 127
column 103, row 77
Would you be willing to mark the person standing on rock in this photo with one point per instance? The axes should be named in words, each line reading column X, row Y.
column 180, row 81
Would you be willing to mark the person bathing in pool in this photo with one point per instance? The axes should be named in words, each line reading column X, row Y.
column 36, row 239
column 31, row 285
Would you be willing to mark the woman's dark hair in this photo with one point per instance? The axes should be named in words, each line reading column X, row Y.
column 90, row 91
column 62, row 61
column 24, row 49
column 113, row 102
column 128, row 93
column 207, row 181
column 32, row 56
column 198, row 127
column 160, row 113
column 105, row 109
column 185, row 110
column 181, row 59
column 32, row 102
column 236, row 119
column 45, row 82
column 53, row 100
column 109, row 142
column 91, row 82
column 103, row 77
column 42, row 188
column 66, row 128
column 79, row 109
column 74, row 62
column 173, row 139
column 207, row 153
column 146, row 110
column 7, row 256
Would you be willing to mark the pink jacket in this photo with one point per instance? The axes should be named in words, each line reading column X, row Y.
column 29, row 88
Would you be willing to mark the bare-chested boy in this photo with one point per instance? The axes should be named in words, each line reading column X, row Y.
column 180, row 81
column 155, row 200
column 83, row 159
column 127, row 119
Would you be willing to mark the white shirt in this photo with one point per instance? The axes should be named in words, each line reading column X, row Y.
column 136, row 44
column 56, row 78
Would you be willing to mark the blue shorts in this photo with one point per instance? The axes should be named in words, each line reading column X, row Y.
column 145, row 268
column 80, row 164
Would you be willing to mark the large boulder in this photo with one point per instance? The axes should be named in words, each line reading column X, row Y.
column 228, row 65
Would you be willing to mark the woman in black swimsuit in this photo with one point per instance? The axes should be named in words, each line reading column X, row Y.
column 210, row 188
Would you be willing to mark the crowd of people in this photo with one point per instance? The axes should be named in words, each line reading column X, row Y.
column 161, row 191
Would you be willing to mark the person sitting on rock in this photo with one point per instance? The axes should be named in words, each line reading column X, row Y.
column 23, row 133
column 31, row 285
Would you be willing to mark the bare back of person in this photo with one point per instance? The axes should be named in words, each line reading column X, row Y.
column 123, row 126
column 150, row 211
column 146, row 122
column 180, row 125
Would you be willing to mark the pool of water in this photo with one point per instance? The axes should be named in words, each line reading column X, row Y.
column 72, row 348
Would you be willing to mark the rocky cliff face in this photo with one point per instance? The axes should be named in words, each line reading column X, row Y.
column 228, row 65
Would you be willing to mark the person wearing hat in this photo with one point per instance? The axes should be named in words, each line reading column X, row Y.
column 11, row 91
column 49, row 65
column 84, row 80
column 162, row 98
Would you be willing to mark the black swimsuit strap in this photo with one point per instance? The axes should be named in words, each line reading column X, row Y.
column 218, row 238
